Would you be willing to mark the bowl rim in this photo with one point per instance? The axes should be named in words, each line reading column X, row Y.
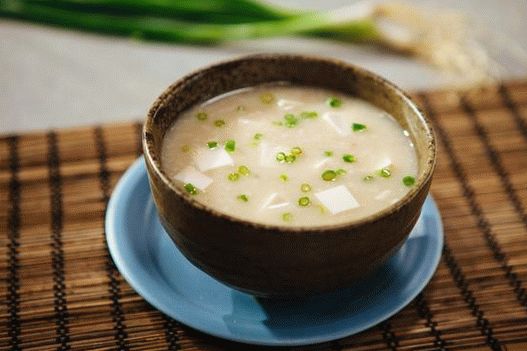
column 422, row 180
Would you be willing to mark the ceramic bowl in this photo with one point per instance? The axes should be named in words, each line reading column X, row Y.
column 273, row 260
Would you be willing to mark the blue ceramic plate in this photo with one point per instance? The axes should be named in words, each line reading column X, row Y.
column 154, row 267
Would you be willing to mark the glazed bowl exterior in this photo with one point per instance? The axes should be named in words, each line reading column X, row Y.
column 271, row 260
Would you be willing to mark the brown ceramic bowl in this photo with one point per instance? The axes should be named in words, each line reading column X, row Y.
column 272, row 260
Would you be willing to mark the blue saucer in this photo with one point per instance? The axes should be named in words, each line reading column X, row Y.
column 155, row 268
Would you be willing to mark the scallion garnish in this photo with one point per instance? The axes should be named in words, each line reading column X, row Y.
column 212, row 144
column 409, row 181
column 385, row 172
column 290, row 158
column 304, row 201
column 368, row 178
column 308, row 114
column 284, row 177
column 357, row 127
column 328, row 153
column 329, row 175
column 244, row 170
column 233, row 176
column 243, row 197
column 202, row 116
column 305, row 188
column 341, row 171
column 290, row 120
column 258, row 136
column 230, row 145
column 267, row 98
column 219, row 123
column 334, row 102
column 280, row 157
column 287, row 217
column 296, row 151
column 349, row 158
column 191, row 189
column 240, row 108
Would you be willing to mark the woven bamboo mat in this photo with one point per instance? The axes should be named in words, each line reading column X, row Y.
column 61, row 291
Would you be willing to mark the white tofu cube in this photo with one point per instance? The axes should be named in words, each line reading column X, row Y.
column 337, row 122
column 337, row 199
column 208, row 159
column 191, row 175
column 274, row 201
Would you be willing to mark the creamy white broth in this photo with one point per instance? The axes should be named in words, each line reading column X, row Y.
column 319, row 135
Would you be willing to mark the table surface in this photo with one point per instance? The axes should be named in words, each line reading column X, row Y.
column 56, row 78
column 61, row 290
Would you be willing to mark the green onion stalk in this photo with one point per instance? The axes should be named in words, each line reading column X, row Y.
column 438, row 37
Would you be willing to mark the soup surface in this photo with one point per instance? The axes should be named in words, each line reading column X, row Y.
column 290, row 155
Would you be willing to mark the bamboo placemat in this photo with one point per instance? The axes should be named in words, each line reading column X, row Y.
column 60, row 289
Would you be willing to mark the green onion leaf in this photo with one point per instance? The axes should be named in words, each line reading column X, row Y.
column 267, row 98
column 202, row 116
column 341, row 171
column 349, row 158
column 284, row 177
column 308, row 114
column 212, row 144
column 287, row 217
column 329, row 175
column 357, row 127
column 280, row 157
column 328, row 153
column 243, row 197
column 258, row 136
column 409, row 181
column 368, row 178
column 290, row 120
column 290, row 158
column 230, row 146
column 191, row 189
column 385, row 172
column 305, row 188
column 296, row 151
column 219, row 123
column 304, row 201
column 233, row 176
column 244, row 170
column 334, row 102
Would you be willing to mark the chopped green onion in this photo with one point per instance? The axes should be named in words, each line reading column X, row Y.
column 267, row 98
column 296, row 151
column 334, row 102
column 305, row 188
column 349, row 158
column 202, row 116
column 368, row 178
column 304, row 201
column 258, row 136
column 341, row 171
column 328, row 153
column 309, row 114
column 280, row 157
column 290, row 158
column 191, row 189
column 329, row 175
column 290, row 120
column 385, row 172
column 409, row 181
column 287, row 217
column 230, row 146
column 284, row 177
column 243, row 197
column 185, row 148
column 244, row 170
column 357, row 127
column 219, row 123
column 212, row 144
column 240, row 108
column 233, row 176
